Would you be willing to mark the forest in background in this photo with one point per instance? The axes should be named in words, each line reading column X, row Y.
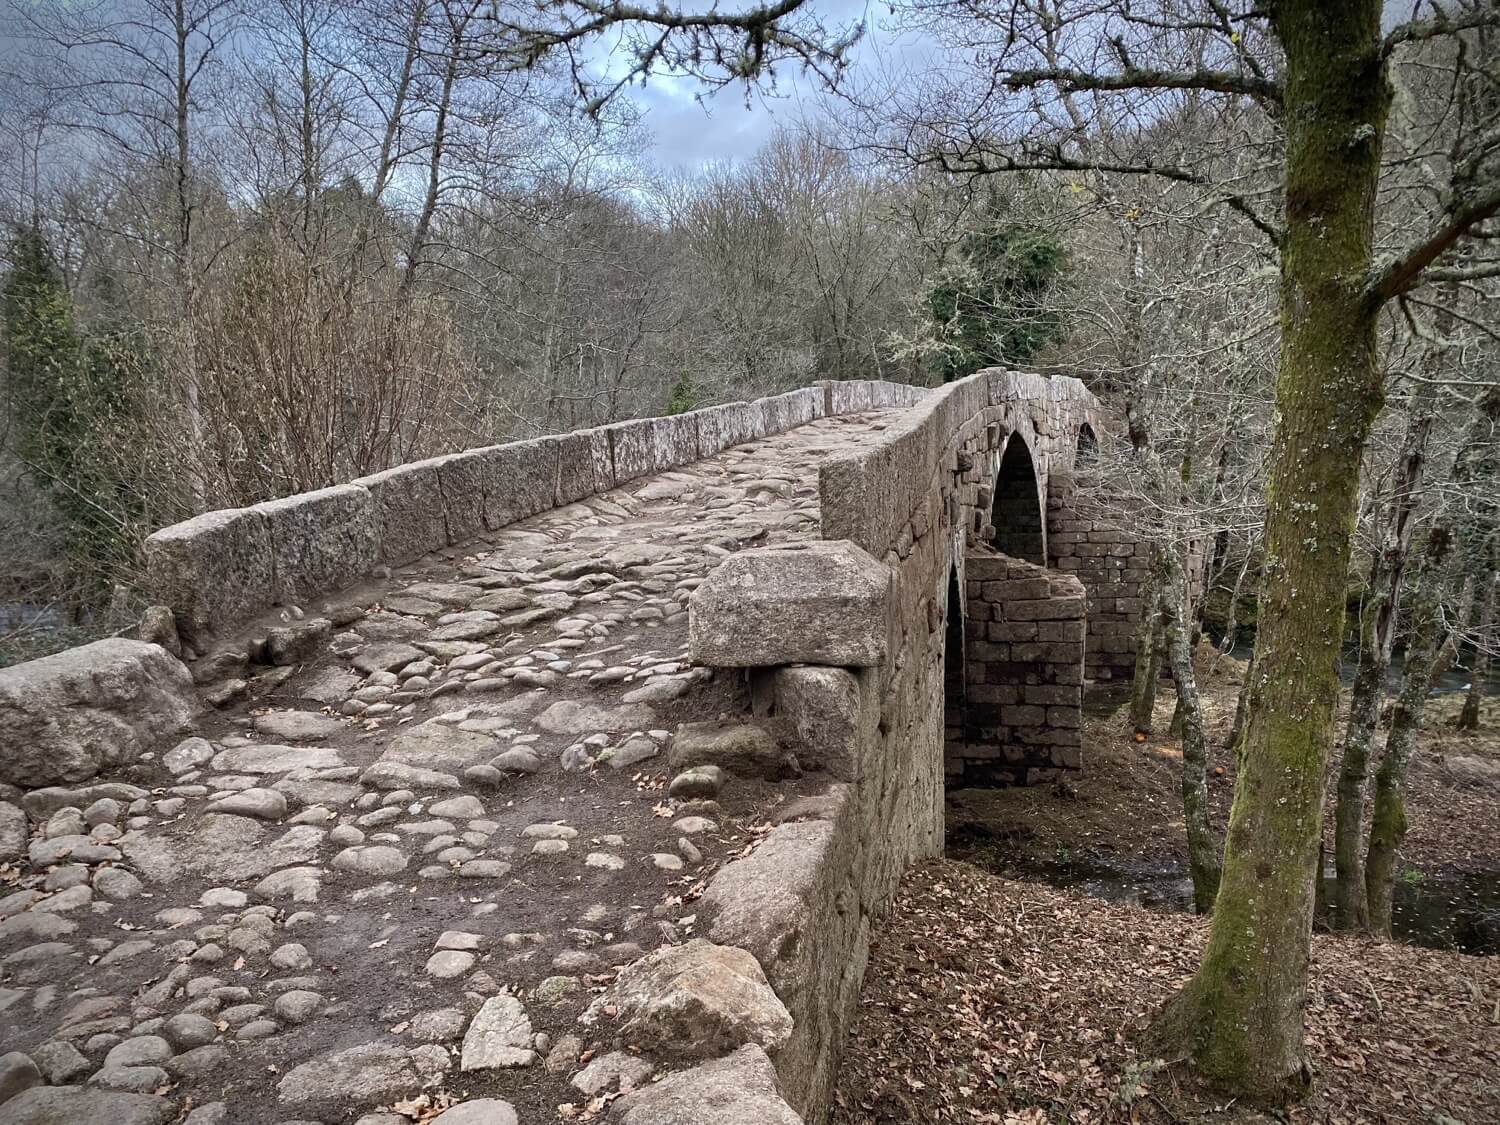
column 255, row 250
column 258, row 250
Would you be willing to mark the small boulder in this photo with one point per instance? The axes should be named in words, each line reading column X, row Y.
column 737, row 748
column 694, row 1001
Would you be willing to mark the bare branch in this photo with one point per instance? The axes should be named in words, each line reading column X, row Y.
column 1405, row 272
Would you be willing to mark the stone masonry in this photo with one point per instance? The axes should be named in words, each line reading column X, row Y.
column 1023, row 675
column 470, row 806
column 524, row 782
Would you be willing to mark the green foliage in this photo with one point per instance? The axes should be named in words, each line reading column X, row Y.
column 684, row 396
column 68, row 393
column 991, row 308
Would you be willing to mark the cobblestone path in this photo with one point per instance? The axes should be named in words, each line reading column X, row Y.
column 391, row 876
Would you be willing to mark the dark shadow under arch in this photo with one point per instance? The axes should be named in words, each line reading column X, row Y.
column 953, row 661
column 1016, row 511
column 1088, row 447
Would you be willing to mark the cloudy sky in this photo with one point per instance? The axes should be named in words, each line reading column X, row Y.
column 689, row 131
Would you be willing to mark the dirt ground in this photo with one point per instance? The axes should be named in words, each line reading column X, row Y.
column 1126, row 804
column 1000, row 1001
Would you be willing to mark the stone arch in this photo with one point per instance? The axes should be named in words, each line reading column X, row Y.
column 1087, row 451
column 1016, row 507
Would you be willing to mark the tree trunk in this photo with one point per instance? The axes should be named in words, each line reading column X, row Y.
column 1241, row 1016
column 1468, row 718
column 1147, row 654
column 1203, row 846
column 1388, row 826
column 417, row 244
column 1241, row 713
column 1377, row 632
column 1477, row 472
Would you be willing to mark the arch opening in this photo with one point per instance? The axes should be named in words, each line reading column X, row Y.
column 1016, row 510
column 953, row 662
column 1087, row 453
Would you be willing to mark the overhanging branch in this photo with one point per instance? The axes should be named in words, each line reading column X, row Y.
column 1405, row 272
column 1135, row 78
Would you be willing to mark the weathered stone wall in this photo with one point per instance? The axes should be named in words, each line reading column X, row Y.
column 1091, row 544
column 1091, row 538
column 1023, row 675
column 68, row 715
column 222, row 567
column 914, row 505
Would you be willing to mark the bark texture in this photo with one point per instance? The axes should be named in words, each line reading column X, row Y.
column 1241, row 1016
column 1468, row 717
column 1376, row 636
column 1147, row 655
column 1203, row 845
column 1388, row 825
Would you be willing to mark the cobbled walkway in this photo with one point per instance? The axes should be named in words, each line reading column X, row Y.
column 390, row 878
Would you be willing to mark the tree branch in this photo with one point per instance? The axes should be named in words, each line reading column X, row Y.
column 1056, row 161
column 1441, row 24
column 1134, row 78
column 1405, row 272
column 716, row 47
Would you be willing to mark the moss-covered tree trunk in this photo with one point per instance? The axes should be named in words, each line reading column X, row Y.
column 1388, row 825
column 1376, row 634
column 1241, row 1016
column 1203, row 846
column 1477, row 472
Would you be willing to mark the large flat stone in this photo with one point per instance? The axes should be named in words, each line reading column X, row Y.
column 219, row 847
column 409, row 510
column 271, row 758
column 824, row 706
column 320, row 541
column 790, row 410
column 734, row 423
column 585, row 466
column 764, row 901
column 499, row 1036
column 75, row 1105
column 631, row 446
column 440, row 746
column 814, row 603
column 64, row 717
column 568, row 716
column 518, row 479
column 742, row 749
column 300, row 726
column 399, row 775
column 365, row 1075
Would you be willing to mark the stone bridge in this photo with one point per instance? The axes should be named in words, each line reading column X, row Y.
column 557, row 780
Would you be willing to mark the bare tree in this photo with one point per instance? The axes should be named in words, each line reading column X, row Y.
column 1319, row 73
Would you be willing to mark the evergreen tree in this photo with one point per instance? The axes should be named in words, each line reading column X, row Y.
column 66, row 392
column 992, row 308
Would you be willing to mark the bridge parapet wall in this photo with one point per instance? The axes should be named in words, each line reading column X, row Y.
column 226, row 566
column 911, row 506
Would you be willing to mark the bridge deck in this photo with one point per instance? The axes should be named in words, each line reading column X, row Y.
column 265, row 911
